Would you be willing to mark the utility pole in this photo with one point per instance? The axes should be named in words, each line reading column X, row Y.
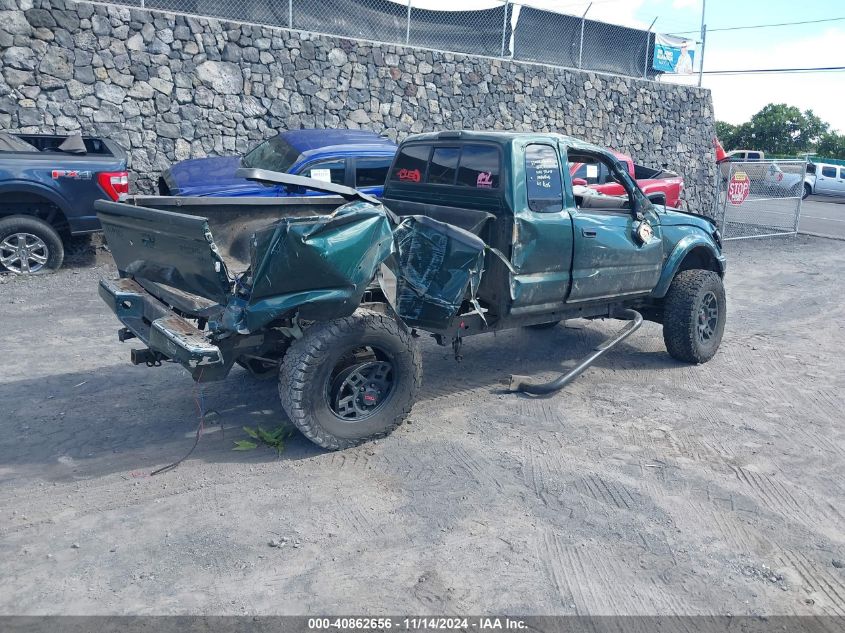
column 581, row 46
column 647, row 42
column 703, row 41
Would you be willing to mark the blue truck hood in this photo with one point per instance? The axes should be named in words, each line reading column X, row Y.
column 210, row 176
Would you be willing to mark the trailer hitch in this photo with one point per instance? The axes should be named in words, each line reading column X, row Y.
column 521, row 384
column 147, row 357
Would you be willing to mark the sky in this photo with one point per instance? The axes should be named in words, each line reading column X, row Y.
column 735, row 97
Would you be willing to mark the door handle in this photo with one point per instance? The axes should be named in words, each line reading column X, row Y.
column 588, row 232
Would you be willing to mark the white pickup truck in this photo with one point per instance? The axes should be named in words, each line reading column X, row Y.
column 825, row 180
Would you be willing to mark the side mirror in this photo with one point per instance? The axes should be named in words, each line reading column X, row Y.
column 579, row 181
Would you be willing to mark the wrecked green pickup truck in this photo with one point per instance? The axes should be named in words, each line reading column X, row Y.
column 477, row 232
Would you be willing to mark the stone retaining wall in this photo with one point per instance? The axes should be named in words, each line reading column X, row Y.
column 172, row 87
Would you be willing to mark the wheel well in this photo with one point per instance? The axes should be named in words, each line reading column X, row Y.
column 700, row 258
column 32, row 204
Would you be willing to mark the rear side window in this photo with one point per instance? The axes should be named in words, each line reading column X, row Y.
column 410, row 164
column 479, row 167
column 829, row 172
column 842, row 172
column 371, row 172
column 444, row 166
column 543, row 180
column 753, row 155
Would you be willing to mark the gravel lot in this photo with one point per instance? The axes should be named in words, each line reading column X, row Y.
column 647, row 487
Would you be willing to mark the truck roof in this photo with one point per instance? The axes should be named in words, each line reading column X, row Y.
column 506, row 138
column 308, row 140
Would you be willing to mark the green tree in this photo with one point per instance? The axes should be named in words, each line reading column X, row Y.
column 781, row 129
column 726, row 133
column 831, row 145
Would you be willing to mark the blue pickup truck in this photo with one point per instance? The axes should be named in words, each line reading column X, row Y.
column 48, row 186
column 354, row 158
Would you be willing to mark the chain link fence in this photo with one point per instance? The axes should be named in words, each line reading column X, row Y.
column 760, row 198
column 508, row 30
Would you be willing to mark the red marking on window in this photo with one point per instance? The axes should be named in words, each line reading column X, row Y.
column 413, row 175
column 484, row 180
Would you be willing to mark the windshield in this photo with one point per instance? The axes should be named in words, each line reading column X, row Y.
column 274, row 154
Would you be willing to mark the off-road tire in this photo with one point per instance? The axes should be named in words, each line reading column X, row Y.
column 681, row 313
column 306, row 371
column 39, row 228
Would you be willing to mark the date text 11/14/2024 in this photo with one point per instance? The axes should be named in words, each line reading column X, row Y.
column 416, row 623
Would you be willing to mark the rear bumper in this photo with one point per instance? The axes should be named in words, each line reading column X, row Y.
column 161, row 329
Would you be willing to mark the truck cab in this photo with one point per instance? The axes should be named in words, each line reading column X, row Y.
column 744, row 155
column 829, row 180
column 571, row 250
column 354, row 158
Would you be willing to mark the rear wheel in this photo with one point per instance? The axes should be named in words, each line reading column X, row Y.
column 350, row 380
column 694, row 313
column 29, row 246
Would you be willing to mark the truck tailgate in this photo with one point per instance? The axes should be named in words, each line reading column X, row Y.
column 169, row 248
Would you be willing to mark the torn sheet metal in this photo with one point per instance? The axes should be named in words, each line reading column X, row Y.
column 434, row 266
column 294, row 261
column 320, row 266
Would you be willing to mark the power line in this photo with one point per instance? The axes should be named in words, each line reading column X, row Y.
column 776, row 71
column 766, row 26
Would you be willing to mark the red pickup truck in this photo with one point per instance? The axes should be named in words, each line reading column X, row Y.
column 654, row 182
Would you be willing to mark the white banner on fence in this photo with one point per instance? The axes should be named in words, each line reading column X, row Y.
column 673, row 55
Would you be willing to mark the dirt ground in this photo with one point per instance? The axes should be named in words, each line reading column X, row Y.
column 647, row 487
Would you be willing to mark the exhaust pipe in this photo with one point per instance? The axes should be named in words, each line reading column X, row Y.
column 521, row 384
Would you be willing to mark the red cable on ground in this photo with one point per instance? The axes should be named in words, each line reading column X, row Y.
column 200, row 427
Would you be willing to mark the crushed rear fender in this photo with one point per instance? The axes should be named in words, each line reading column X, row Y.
column 320, row 267
column 434, row 265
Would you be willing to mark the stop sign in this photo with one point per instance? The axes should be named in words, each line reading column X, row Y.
column 738, row 188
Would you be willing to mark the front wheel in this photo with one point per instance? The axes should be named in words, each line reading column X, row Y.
column 694, row 313
column 350, row 380
column 807, row 191
column 29, row 245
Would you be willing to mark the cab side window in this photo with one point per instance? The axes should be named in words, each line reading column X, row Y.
column 591, row 197
column 592, row 171
column 328, row 171
column 543, row 180
column 829, row 172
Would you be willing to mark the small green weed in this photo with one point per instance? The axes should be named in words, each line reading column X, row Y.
column 274, row 439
